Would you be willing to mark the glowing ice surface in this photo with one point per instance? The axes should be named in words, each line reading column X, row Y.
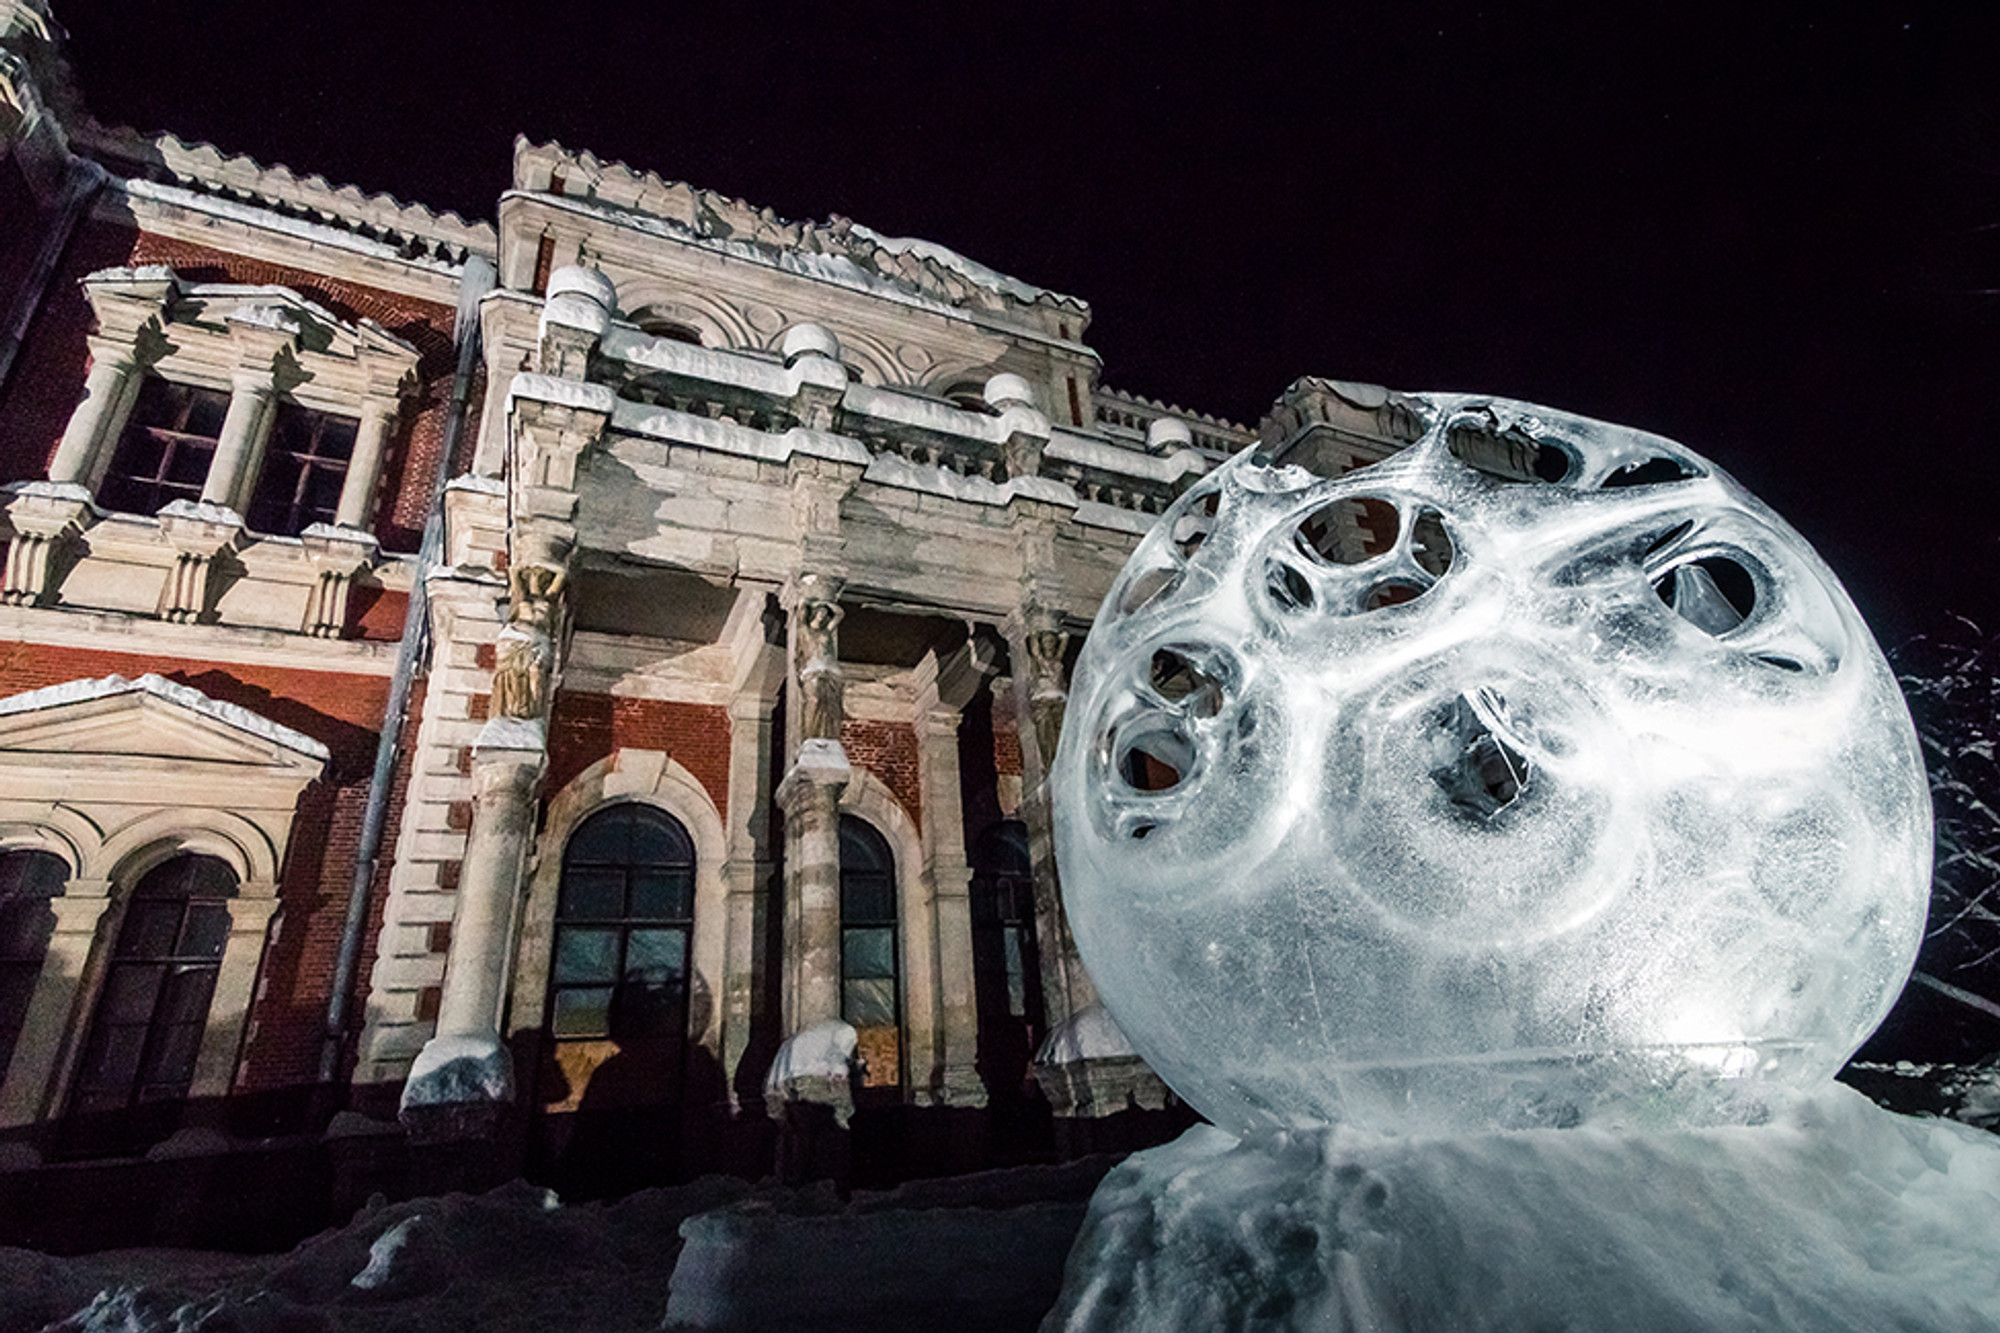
column 1535, row 774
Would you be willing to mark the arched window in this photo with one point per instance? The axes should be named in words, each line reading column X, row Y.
column 28, row 879
column 153, row 1010
column 624, row 914
column 869, row 993
column 1005, row 960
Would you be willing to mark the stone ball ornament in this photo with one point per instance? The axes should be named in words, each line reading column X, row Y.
column 1535, row 775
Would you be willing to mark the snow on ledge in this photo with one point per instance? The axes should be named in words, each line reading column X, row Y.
column 561, row 392
column 186, row 696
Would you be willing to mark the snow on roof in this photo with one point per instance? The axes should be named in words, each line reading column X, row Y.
column 715, row 220
column 204, row 164
column 186, row 696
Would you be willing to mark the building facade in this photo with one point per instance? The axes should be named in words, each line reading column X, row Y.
column 579, row 683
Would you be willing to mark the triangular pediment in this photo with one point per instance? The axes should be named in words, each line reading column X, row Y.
column 150, row 722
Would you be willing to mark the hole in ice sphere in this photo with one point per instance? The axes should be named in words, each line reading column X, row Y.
column 1714, row 594
column 1177, row 678
column 1139, row 831
column 1430, row 544
column 1350, row 531
column 1288, row 587
column 1668, row 538
column 1782, row 663
column 1478, row 771
column 1393, row 592
column 1657, row 471
column 1156, row 759
column 1190, row 531
column 1148, row 588
column 1193, row 527
column 1512, row 454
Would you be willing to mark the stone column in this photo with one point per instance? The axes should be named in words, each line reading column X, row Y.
column 250, row 914
column 810, row 799
column 1037, row 644
column 378, row 418
column 242, row 439
column 957, row 1044
column 93, row 426
column 463, row 1079
column 47, row 1045
column 464, row 1075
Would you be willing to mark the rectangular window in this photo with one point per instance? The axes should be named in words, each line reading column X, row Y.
column 164, row 452
column 305, row 466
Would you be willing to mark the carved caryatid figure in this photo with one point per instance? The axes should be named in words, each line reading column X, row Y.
column 820, row 681
column 1047, row 691
column 524, row 653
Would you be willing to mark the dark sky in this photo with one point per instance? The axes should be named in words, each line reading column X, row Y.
column 1774, row 237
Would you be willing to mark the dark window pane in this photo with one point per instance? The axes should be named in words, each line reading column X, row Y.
column 150, row 930
column 130, row 991
column 114, row 1060
column 169, row 1062
column 184, row 995
column 591, row 894
column 866, row 898
column 662, row 894
column 206, row 409
column 336, row 438
column 586, row 953
column 32, row 875
column 862, row 848
column 659, row 841
column 25, row 927
column 656, row 955
column 870, row 1003
column 186, row 463
column 582, row 1012
column 603, row 838
column 206, row 931
column 869, row 952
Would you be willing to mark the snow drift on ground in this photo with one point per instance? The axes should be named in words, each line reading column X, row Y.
column 972, row 1253
column 1834, row 1215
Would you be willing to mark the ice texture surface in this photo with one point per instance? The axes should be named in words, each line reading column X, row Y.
column 1537, row 774
column 1835, row 1216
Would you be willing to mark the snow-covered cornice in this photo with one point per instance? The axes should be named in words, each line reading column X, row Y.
column 707, row 217
column 183, row 696
column 274, row 195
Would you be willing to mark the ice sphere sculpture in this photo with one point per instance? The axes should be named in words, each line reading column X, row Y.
column 1536, row 774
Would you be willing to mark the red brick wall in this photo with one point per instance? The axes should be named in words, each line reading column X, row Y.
column 344, row 712
column 1006, row 745
column 587, row 727
column 48, row 379
column 889, row 751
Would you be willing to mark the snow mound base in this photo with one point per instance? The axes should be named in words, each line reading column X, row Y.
column 1833, row 1215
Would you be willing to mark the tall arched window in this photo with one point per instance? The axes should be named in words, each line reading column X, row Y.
column 1005, row 960
column 153, row 1010
column 617, row 1065
column 869, row 989
column 624, row 915
column 28, row 879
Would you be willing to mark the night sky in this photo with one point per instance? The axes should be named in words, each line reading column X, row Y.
column 1774, row 237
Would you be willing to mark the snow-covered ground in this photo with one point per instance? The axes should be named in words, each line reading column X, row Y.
column 973, row 1253
column 1832, row 1215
